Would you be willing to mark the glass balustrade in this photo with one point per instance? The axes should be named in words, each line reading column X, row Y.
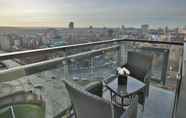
column 86, row 63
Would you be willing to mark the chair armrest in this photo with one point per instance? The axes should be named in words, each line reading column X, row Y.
column 95, row 88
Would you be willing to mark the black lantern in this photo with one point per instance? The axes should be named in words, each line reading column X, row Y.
column 122, row 79
column 122, row 76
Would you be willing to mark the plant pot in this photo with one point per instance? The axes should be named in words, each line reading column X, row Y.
column 122, row 80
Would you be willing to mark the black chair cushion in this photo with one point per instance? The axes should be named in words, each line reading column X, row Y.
column 135, row 72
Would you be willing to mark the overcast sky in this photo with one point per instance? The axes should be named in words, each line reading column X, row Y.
column 99, row 13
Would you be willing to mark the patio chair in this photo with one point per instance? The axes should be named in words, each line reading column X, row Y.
column 22, row 105
column 93, row 86
column 139, row 66
column 87, row 105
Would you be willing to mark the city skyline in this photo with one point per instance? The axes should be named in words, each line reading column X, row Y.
column 98, row 13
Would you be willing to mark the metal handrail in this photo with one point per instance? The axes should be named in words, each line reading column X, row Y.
column 24, row 70
column 179, row 78
column 19, row 54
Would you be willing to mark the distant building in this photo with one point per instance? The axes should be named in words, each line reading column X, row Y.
column 71, row 25
column 184, row 28
column 90, row 27
column 110, row 32
column 145, row 27
column 123, row 27
column 5, row 43
column 183, row 31
column 166, row 30
column 51, row 37
column 17, row 44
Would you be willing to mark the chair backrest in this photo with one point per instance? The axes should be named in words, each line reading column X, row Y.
column 87, row 105
column 139, row 64
column 22, row 105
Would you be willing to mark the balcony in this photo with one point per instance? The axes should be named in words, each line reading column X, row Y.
column 85, row 63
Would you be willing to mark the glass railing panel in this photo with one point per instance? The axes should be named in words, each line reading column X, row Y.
column 179, row 108
column 47, row 84
column 165, row 60
column 53, row 90
column 105, row 64
column 80, row 68
column 97, row 66
column 164, row 78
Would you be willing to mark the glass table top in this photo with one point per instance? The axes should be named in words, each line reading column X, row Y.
column 133, row 85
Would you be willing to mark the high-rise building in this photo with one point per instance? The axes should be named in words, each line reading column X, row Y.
column 71, row 25
column 90, row 27
column 123, row 27
column 5, row 43
column 184, row 27
column 166, row 29
column 145, row 27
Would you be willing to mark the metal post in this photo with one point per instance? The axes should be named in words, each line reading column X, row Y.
column 66, row 67
column 123, row 53
column 92, row 67
column 119, row 56
column 165, row 67
column 181, row 87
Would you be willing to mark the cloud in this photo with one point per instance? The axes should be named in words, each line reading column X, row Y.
column 95, row 12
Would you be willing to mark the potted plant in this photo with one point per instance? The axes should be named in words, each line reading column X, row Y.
column 123, row 74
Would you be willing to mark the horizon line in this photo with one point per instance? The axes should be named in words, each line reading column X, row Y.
column 150, row 27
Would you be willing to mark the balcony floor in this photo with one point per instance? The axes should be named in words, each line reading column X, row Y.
column 159, row 104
